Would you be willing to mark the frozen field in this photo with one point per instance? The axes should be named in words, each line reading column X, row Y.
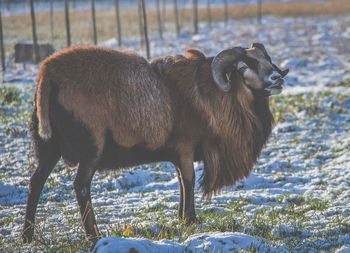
column 296, row 200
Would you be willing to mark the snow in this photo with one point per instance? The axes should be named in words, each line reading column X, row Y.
column 204, row 242
column 344, row 249
column 306, row 157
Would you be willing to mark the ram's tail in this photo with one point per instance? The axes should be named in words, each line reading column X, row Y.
column 42, row 105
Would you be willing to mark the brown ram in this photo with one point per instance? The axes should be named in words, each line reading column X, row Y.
column 102, row 108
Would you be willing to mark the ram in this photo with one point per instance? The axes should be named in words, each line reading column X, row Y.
column 104, row 109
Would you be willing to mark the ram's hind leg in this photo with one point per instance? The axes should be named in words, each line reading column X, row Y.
column 82, row 185
column 48, row 155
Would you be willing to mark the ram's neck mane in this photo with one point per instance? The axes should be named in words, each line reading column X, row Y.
column 231, row 156
column 237, row 127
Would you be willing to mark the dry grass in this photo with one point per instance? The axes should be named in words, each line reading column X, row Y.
column 18, row 27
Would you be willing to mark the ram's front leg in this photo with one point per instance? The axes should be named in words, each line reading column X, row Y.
column 186, row 173
column 181, row 202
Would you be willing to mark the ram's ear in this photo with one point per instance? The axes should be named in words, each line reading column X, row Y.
column 262, row 48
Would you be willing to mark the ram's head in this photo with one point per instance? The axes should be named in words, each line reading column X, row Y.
column 252, row 66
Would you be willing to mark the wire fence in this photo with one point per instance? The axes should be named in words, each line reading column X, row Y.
column 63, row 23
column 69, row 22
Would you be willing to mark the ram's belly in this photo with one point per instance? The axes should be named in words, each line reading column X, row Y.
column 116, row 156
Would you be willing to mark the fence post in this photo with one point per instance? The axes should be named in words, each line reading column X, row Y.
column 209, row 13
column 226, row 12
column 176, row 18
column 142, row 7
column 164, row 11
column 195, row 16
column 118, row 22
column 182, row 12
column 66, row 11
column 8, row 4
column 2, row 44
column 159, row 19
column 139, row 10
column 51, row 20
column 259, row 8
column 93, row 21
column 35, row 41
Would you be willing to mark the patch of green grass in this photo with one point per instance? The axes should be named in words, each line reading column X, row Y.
column 6, row 220
column 9, row 95
column 345, row 83
column 14, row 108
column 47, row 238
column 288, row 107
column 15, row 132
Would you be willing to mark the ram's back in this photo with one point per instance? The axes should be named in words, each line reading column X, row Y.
column 108, row 90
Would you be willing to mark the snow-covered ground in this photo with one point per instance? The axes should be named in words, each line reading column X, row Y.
column 297, row 198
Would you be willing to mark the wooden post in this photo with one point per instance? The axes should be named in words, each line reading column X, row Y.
column 93, row 21
column 118, row 22
column 182, row 12
column 51, row 20
column 164, row 11
column 176, row 18
column 139, row 10
column 209, row 13
column 8, row 5
column 2, row 44
column 226, row 12
column 143, row 8
column 159, row 18
column 66, row 11
column 195, row 16
column 259, row 11
column 35, row 41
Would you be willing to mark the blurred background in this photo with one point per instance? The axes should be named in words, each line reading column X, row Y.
column 62, row 23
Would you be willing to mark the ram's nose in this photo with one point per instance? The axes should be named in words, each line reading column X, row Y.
column 274, row 77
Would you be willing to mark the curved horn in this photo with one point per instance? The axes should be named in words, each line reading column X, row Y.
column 221, row 60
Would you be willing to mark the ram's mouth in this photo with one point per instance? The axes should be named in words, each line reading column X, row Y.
column 275, row 87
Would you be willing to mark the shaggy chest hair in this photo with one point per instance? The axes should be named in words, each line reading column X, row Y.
column 231, row 155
